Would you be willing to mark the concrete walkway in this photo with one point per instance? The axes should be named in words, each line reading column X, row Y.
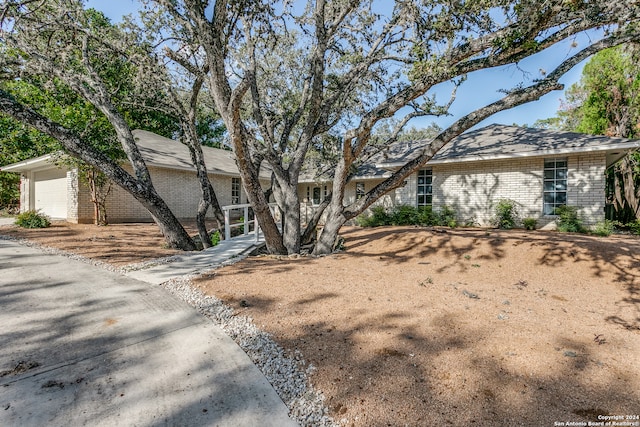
column 196, row 262
column 83, row 346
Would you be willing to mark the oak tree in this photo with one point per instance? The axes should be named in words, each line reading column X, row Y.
column 287, row 75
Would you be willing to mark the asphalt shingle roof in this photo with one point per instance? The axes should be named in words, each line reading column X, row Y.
column 503, row 142
column 164, row 152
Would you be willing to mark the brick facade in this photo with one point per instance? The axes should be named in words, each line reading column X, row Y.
column 180, row 189
column 472, row 189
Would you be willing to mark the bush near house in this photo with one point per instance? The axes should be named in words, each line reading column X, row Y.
column 568, row 220
column 408, row 215
column 604, row 228
column 32, row 219
column 506, row 214
column 530, row 223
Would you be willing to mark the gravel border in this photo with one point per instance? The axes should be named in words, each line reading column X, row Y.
column 287, row 373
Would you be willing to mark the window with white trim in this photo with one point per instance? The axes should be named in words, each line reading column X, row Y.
column 555, row 185
column 359, row 190
column 425, row 187
column 235, row 191
column 315, row 194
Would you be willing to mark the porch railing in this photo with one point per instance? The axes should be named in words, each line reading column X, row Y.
column 245, row 223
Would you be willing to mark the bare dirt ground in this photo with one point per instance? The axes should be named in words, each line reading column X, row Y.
column 414, row 326
column 116, row 244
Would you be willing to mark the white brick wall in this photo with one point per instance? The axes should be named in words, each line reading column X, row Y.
column 180, row 189
column 474, row 188
column 587, row 184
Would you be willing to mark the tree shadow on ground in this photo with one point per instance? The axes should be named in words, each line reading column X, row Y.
column 392, row 351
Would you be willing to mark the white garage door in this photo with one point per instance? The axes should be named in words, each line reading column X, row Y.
column 50, row 192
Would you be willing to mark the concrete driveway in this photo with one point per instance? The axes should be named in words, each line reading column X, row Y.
column 83, row 346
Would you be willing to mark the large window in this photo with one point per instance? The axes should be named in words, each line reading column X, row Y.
column 425, row 188
column 555, row 184
column 235, row 191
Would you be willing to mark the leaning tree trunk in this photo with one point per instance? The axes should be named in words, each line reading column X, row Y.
column 329, row 236
column 310, row 232
column 141, row 189
column 173, row 232
column 208, row 197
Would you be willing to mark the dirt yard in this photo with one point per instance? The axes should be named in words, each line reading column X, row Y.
column 414, row 326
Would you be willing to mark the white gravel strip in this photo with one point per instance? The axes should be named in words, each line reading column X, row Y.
column 287, row 373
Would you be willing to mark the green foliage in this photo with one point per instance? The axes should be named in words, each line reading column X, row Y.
column 408, row 215
column 634, row 227
column 215, row 238
column 530, row 223
column 446, row 216
column 378, row 217
column 32, row 219
column 568, row 221
column 506, row 214
column 9, row 190
column 404, row 215
column 609, row 90
column 604, row 228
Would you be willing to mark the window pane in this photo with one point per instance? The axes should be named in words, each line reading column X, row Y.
column 549, row 185
column 549, row 198
column 561, row 198
column 429, row 199
column 549, row 174
column 420, row 180
column 548, row 209
column 561, row 164
column 561, row 186
column 561, row 174
column 421, row 199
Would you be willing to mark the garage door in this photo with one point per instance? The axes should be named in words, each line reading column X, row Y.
column 50, row 192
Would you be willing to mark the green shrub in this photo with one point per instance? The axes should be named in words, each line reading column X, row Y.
column 376, row 218
column 506, row 214
column 425, row 215
column 530, row 223
column 568, row 221
column 408, row 215
column 604, row 228
column 634, row 227
column 446, row 217
column 215, row 238
column 32, row 219
column 404, row 215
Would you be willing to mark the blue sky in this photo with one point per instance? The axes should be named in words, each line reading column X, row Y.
column 481, row 87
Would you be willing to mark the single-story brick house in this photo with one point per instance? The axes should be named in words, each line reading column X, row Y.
column 59, row 193
column 539, row 169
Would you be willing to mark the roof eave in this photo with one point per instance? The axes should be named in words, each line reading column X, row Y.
column 36, row 163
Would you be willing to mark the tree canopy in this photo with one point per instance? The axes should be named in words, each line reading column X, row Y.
column 326, row 75
column 287, row 76
column 606, row 102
